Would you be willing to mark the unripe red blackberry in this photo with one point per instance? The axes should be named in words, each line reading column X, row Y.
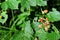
column 48, row 22
column 45, row 24
column 46, row 29
column 46, row 19
column 40, row 26
column 41, row 20
column 45, row 11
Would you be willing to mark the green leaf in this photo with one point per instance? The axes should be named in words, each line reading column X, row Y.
column 52, row 36
column 22, row 35
column 24, row 14
column 3, row 14
column 35, row 26
column 32, row 2
column 12, row 4
column 53, row 16
column 41, row 2
column 25, row 4
column 20, row 21
column 41, row 34
column 22, row 17
column 4, row 6
column 55, row 29
column 28, row 28
column 35, row 19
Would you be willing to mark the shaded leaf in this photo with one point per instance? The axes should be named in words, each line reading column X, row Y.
column 41, row 34
column 25, row 34
column 22, row 17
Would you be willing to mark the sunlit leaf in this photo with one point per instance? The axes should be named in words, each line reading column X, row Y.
column 53, row 16
column 3, row 14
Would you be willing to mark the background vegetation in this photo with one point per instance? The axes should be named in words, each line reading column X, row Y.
column 29, row 19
